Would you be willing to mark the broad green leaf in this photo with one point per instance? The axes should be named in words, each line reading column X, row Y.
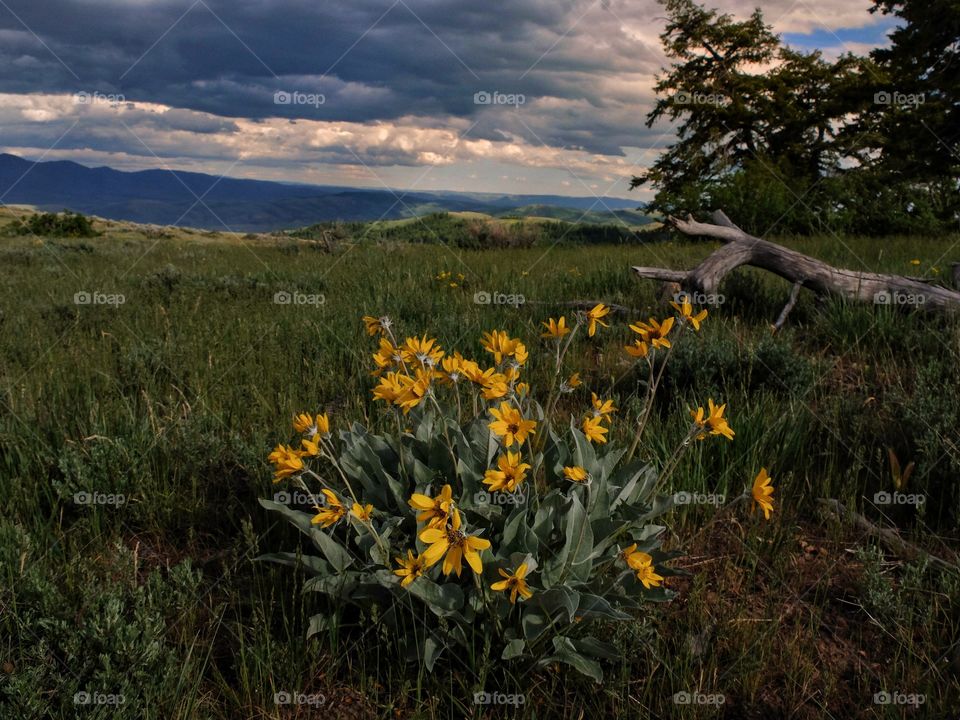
column 594, row 606
column 566, row 652
column 444, row 599
column 312, row 564
column 513, row 649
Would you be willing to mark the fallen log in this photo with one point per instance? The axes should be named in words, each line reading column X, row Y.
column 741, row 249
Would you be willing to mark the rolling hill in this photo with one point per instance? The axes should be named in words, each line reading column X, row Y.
column 172, row 197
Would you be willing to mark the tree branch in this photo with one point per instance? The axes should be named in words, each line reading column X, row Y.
column 740, row 249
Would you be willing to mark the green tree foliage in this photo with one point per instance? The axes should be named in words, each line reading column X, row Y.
column 788, row 141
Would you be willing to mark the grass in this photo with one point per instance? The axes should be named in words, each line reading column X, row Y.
column 173, row 398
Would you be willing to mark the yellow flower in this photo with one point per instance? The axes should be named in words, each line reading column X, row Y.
column 713, row 419
column 914, row 262
column 424, row 350
column 501, row 345
column 494, row 384
column 414, row 389
column 332, row 513
column 362, row 512
column 510, row 425
column 433, row 510
column 593, row 429
column 642, row 564
column 454, row 366
column 763, row 493
column 515, row 583
column 556, row 329
column 390, row 387
column 455, row 545
column 411, row 568
column 575, row 474
column 602, row 409
column 686, row 313
column 639, row 349
column 386, row 356
column 311, row 426
column 574, row 381
column 520, row 354
column 522, row 389
column 310, row 447
column 511, row 473
column 594, row 317
column 374, row 325
column 654, row 332
column 286, row 461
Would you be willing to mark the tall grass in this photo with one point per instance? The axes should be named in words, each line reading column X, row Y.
column 173, row 398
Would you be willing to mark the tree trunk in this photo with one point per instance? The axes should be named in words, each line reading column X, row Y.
column 743, row 249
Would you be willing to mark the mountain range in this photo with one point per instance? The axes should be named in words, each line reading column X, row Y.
column 189, row 199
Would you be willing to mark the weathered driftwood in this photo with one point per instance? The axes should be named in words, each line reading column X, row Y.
column 742, row 249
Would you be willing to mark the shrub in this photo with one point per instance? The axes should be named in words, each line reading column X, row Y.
column 65, row 224
column 554, row 526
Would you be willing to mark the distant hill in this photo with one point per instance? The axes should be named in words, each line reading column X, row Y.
column 599, row 214
column 164, row 197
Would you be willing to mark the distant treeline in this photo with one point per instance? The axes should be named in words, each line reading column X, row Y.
column 475, row 233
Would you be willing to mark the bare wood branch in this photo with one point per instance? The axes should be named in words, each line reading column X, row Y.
column 794, row 296
column 741, row 249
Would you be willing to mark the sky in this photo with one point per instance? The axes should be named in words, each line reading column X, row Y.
column 527, row 96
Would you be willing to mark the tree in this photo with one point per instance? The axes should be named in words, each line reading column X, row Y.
column 913, row 124
column 733, row 113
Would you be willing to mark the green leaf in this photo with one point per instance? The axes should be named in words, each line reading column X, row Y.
column 566, row 652
column 431, row 651
column 560, row 598
column 318, row 624
column 312, row 564
column 597, row 648
column 573, row 560
column 584, row 455
column 513, row 649
column 444, row 599
column 533, row 623
column 334, row 552
column 594, row 606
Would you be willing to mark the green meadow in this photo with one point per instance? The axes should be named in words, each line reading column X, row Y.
column 146, row 373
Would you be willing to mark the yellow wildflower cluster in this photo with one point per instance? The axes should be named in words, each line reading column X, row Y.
column 450, row 279
column 416, row 371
